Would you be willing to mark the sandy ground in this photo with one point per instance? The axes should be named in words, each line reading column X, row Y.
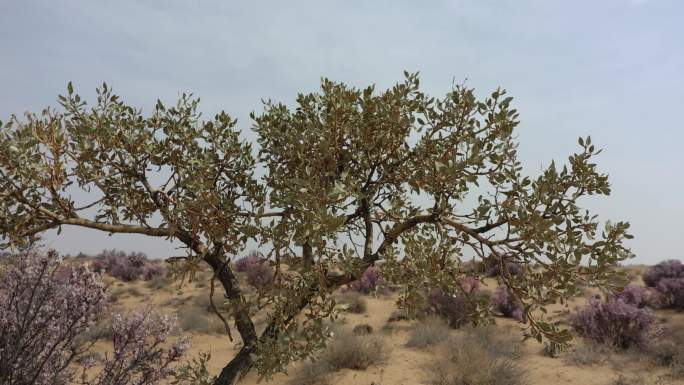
column 404, row 366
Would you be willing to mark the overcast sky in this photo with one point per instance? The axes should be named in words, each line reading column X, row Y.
column 610, row 69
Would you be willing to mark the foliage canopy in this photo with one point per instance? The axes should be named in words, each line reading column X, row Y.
column 353, row 177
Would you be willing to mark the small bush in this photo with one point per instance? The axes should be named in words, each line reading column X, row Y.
column 492, row 268
column 127, row 267
column 614, row 322
column 639, row 296
column 589, row 353
column 43, row 315
column 671, row 291
column 256, row 267
column 193, row 320
column 362, row 329
column 259, row 275
column 667, row 269
column 349, row 351
column 243, row 264
column 668, row 350
column 371, row 281
column 479, row 356
column 505, row 302
column 354, row 303
column 456, row 309
column 428, row 332
column 316, row 372
column 143, row 351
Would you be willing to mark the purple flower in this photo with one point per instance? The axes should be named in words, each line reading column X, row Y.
column 614, row 322
column 507, row 304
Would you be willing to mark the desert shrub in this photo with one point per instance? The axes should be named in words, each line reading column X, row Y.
column 194, row 372
column 479, row 356
column 398, row 315
column 589, row 353
column 671, row 292
column 614, row 322
column 668, row 350
column 253, row 258
column 349, row 351
column 127, row 267
column 362, row 329
column 354, row 303
column 639, row 296
column 667, row 269
column 142, row 352
column 313, row 372
column 492, row 268
column 42, row 316
column 371, row 281
column 505, row 302
column 428, row 332
column 457, row 309
column 192, row 319
column 259, row 275
column 255, row 266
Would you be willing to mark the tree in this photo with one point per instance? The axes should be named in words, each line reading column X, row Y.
column 352, row 178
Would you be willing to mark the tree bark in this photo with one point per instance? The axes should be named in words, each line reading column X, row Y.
column 236, row 368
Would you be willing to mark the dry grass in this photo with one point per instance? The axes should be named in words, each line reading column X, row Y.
column 353, row 302
column 588, row 354
column 345, row 350
column 428, row 332
column 479, row 356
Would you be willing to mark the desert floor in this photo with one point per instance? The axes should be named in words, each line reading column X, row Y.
column 403, row 365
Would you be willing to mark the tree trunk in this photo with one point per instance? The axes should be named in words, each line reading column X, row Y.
column 236, row 368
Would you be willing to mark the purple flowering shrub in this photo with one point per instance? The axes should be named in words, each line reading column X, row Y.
column 457, row 309
column 371, row 281
column 46, row 311
column 507, row 304
column 614, row 322
column 255, row 266
column 142, row 352
column 667, row 269
column 667, row 279
column 127, row 267
column 43, row 311
column 259, row 275
column 252, row 259
column 492, row 268
column 639, row 296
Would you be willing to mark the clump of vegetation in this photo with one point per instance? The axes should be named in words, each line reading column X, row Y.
column 668, row 351
column 667, row 278
column 42, row 316
column 458, row 309
column 429, row 331
column 615, row 323
column 127, row 267
column 589, row 353
column 479, row 356
column 346, row 350
column 495, row 268
column 639, row 296
column 362, row 329
column 507, row 304
column 255, row 266
column 354, row 303
column 245, row 263
column 371, row 282
column 46, row 319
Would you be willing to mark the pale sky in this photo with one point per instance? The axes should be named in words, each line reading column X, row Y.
column 610, row 69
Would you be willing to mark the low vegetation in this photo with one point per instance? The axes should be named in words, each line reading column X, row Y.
column 479, row 356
